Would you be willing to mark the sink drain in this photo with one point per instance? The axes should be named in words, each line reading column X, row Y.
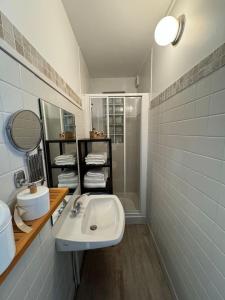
column 93, row 227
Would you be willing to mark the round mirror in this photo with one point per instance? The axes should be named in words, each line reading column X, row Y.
column 24, row 130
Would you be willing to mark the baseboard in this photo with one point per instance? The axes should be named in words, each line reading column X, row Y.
column 135, row 219
column 163, row 265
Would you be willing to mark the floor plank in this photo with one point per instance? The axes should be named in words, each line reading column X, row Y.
column 128, row 271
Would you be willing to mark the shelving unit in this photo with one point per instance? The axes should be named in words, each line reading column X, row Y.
column 85, row 147
column 51, row 166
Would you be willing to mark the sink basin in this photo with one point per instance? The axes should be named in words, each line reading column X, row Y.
column 100, row 223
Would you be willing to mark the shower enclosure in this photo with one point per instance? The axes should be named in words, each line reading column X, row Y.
column 124, row 119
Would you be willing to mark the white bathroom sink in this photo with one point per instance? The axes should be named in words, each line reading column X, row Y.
column 100, row 223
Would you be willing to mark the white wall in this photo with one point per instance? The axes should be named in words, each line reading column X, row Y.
column 187, row 205
column 145, row 76
column 84, row 77
column 42, row 273
column 204, row 31
column 99, row 85
column 46, row 25
column 186, row 161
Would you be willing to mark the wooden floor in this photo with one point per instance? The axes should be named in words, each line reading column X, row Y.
column 128, row 271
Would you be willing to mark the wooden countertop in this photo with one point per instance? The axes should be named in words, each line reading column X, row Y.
column 23, row 240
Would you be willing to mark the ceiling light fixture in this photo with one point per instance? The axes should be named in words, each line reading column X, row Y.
column 169, row 30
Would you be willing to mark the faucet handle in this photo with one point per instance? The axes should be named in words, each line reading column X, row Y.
column 77, row 204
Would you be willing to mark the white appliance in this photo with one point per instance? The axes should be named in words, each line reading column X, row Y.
column 33, row 205
column 7, row 241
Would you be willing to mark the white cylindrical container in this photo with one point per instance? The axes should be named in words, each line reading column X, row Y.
column 35, row 205
column 7, row 241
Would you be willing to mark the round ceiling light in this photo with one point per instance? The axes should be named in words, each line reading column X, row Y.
column 169, row 30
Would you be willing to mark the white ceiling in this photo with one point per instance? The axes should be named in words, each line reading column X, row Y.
column 115, row 35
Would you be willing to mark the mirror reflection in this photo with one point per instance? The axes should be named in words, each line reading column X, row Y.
column 58, row 123
column 60, row 146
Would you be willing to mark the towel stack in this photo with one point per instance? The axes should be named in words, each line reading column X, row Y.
column 68, row 179
column 96, row 158
column 65, row 159
column 95, row 179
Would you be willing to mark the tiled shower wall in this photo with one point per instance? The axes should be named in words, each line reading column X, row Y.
column 42, row 273
column 187, row 206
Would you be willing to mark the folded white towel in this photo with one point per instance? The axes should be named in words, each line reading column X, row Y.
column 65, row 160
column 99, row 173
column 69, row 185
column 93, row 179
column 64, row 156
column 96, row 158
column 100, row 155
column 66, row 174
column 95, row 162
column 67, row 163
column 95, row 184
column 68, row 180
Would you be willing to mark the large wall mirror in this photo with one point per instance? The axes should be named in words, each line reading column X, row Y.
column 60, row 146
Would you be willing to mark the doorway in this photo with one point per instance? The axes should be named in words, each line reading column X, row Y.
column 124, row 118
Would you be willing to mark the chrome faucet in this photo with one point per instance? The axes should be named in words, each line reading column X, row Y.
column 77, row 205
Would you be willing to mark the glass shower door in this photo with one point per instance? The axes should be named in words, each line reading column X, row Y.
column 99, row 113
column 120, row 118
column 132, row 152
column 116, row 133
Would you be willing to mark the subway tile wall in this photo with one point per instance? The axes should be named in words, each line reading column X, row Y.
column 42, row 273
column 187, row 205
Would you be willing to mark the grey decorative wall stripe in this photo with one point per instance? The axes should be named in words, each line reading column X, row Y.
column 208, row 65
column 10, row 34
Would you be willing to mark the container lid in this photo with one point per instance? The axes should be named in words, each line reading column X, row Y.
column 5, row 215
column 26, row 198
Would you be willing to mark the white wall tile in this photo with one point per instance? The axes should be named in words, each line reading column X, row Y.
column 20, row 289
column 218, row 80
column 222, row 193
column 217, row 103
column 17, row 159
column 223, row 172
column 207, row 146
column 203, row 164
column 216, row 125
column 27, row 280
column 218, row 279
column 10, row 98
column 218, row 258
column 203, row 87
column 29, row 82
column 219, row 237
column 220, row 216
column 5, row 162
column 187, row 187
column 189, row 110
column 9, row 70
column 30, row 102
column 2, row 129
column 7, row 193
column 193, row 126
column 202, row 107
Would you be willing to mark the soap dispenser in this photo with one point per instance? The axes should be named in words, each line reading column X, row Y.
column 7, row 241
